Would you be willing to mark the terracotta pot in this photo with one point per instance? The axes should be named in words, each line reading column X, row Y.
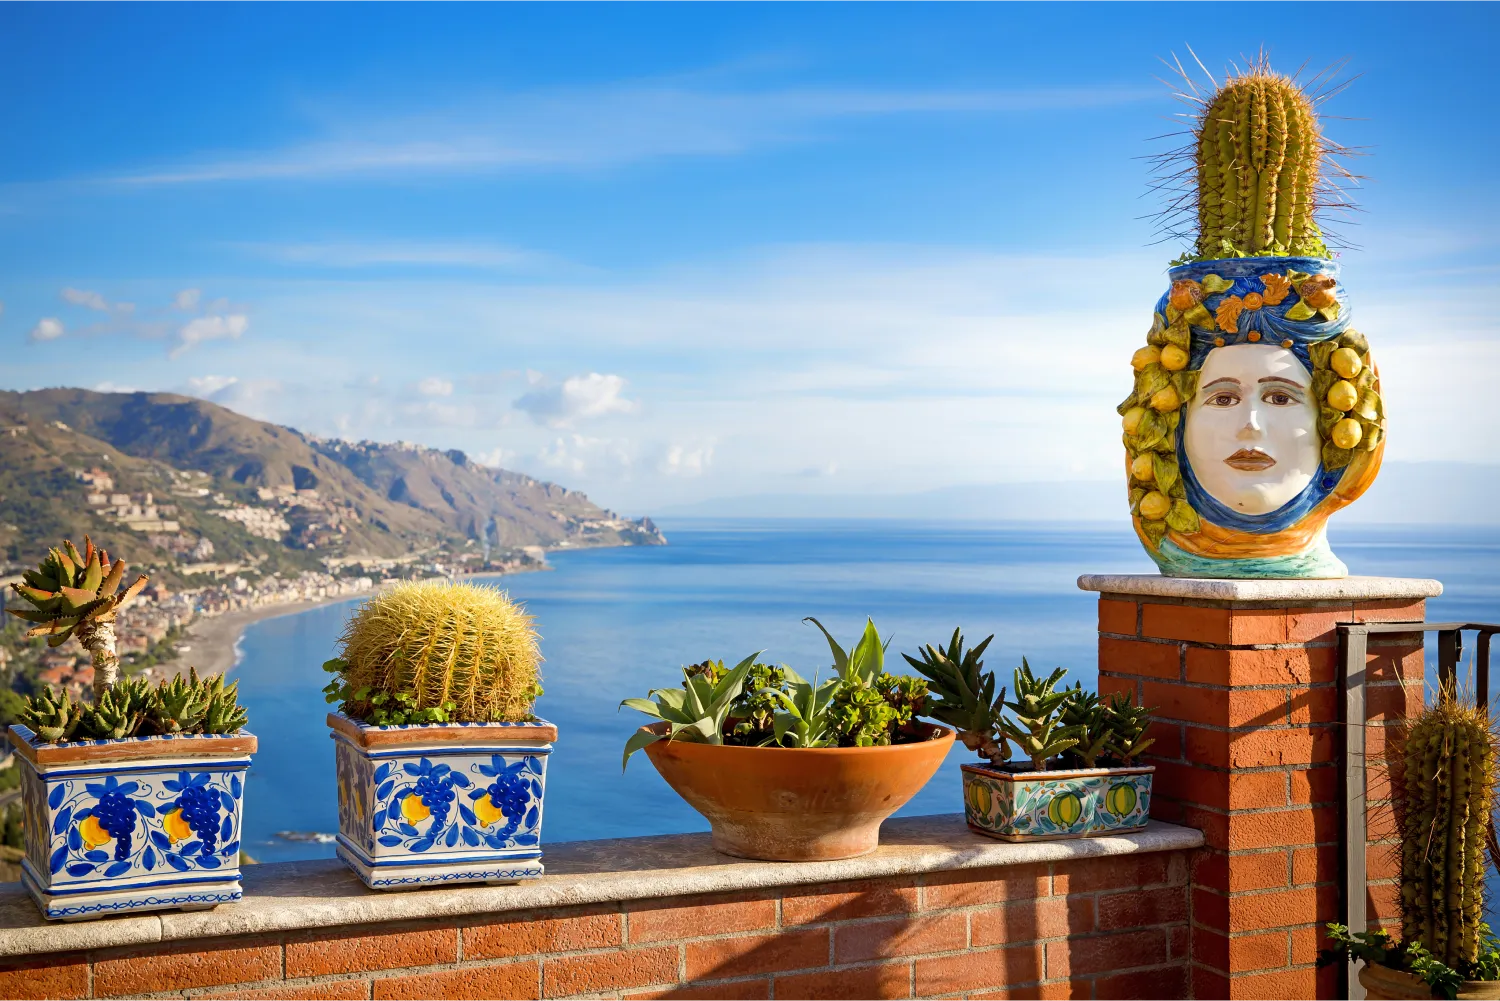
column 797, row 804
column 1381, row 983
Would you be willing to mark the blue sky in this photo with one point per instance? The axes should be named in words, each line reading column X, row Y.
column 665, row 253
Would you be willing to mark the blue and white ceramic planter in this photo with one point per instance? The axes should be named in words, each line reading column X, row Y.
column 441, row 804
column 1048, row 806
column 132, row 825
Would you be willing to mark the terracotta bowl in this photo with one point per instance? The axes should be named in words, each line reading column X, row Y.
column 794, row 804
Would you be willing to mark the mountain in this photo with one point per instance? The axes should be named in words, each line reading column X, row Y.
column 260, row 491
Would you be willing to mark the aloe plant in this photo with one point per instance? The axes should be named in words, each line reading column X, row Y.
column 695, row 712
column 1127, row 728
column 862, row 664
column 965, row 693
column 805, row 720
column 1083, row 709
column 1037, row 728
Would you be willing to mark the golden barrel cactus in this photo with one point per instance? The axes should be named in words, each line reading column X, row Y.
column 441, row 643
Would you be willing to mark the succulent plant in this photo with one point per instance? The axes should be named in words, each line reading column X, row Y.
column 862, row 663
column 224, row 713
column 1084, row 710
column 180, row 705
column 1446, row 793
column 78, row 594
column 1037, row 728
column 441, row 644
column 695, row 712
column 1127, row 729
column 965, row 695
column 805, row 719
column 119, row 712
column 53, row 720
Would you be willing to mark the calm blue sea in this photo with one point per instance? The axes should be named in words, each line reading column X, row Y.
column 616, row 622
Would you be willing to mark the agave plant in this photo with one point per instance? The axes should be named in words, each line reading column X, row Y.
column 695, row 712
column 965, row 695
column 78, row 594
column 861, row 665
column 1037, row 728
column 805, row 720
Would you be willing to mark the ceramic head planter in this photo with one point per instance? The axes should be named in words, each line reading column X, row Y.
column 1256, row 411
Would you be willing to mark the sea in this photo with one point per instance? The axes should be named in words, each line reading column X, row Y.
column 615, row 623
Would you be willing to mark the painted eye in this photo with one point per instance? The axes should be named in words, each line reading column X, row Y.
column 1277, row 398
column 1225, row 399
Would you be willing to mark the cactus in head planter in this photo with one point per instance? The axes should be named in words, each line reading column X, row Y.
column 1446, row 794
column 78, row 594
column 435, row 652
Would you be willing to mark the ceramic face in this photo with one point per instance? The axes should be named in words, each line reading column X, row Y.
column 1252, row 428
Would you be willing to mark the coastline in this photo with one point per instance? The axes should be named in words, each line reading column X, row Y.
column 214, row 640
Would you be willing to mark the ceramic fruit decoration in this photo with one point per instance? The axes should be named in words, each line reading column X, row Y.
column 1256, row 410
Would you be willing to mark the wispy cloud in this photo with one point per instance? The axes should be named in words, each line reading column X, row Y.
column 579, row 398
column 605, row 126
column 352, row 254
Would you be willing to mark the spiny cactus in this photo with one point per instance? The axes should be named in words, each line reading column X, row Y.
column 1446, row 791
column 53, row 720
column 78, row 594
column 441, row 643
column 1037, row 729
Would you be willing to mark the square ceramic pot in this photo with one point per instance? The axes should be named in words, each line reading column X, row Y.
column 1046, row 806
column 443, row 803
column 132, row 825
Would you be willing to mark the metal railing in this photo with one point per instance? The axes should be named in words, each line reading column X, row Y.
column 1353, row 653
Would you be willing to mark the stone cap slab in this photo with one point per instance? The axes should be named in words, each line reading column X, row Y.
column 290, row 896
column 1282, row 592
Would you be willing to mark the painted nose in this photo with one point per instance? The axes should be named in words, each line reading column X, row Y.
column 1252, row 428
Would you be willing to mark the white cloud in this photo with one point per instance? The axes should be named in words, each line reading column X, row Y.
column 187, row 299
column 435, row 386
column 580, row 397
column 209, row 386
column 580, row 454
column 113, row 387
column 495, row 458
column 210, row 328
column 94, row 301
column 680, row 461
column 47, row 329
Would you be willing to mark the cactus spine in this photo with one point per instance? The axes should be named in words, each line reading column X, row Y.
column 1258, row 150
column 1446, row 791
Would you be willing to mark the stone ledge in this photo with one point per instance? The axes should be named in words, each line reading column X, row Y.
column 1288, row 592
column 290, row 896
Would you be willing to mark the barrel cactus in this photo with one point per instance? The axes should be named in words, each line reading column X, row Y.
column 433, row 651
column 1445, row 794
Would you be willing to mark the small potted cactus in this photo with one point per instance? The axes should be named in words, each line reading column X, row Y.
column 788, row 769
column 441, row 765
column 1080, row 777
column 133, row 802
column 1445, row 784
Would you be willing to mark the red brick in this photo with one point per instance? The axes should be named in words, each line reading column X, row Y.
column 1294, row 746
column 1179, row 942
column 1211, row 984
column 1153, row 660
column 1167, row 982
column 1211, row 948
column 1057, row 990
column 744, row 955
column 731, row 990
column 1255, row 790
column 886, row 980
column 1280, row 908
column 1315, row 865
column 1306, row 944
column 1393, row 702
column 1381, row 862
column 1117, row 617
column 1266, row 951
column 1191, row 623
column 1166, row 740
column 318, row 954
column 1260, row 707
column 1249, row 626
column 984, row 886
column 661, row 924
column 1316, row 625
column 533, row 935
column 978, row 969
column 1390, row 611
column 1206, row 747
column 1081, row 957
column 845, row 901
column 597, row 972
column 334, row 990
column 1255, row 871
column 1284, row 666
column 1173, row 700
column 1114, row 873
column 1139, row 908
column 1382, row 902
column 1322, row 704
column 1029, row 920
column 1272, row 829
column 1211, row 909
column 1314, row 785
column 178, row 967
column 1394, row 663
column 1119, row 684
column 1202, row 786
column 1214, row 825
column 57, row 975
column 502, row 980
column 1299, row 983
column 908, row 936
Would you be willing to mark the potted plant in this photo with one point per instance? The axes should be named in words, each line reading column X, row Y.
column 441, row 765
column 133, row 802
column 789, row 769
column 1079, row 778
column 1444, row 792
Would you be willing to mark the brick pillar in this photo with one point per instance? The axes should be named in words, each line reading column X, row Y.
column 1247, row 750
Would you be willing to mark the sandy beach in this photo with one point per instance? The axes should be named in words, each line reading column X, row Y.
column 212, row 639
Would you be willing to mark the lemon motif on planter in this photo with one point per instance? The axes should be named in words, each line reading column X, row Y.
column 414, row 810
column 1065, row 809
column 177, row 828
column 1121, row 799
column 486, row 811
column 93, row 833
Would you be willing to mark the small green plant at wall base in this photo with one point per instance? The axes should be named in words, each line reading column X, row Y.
column 964, row 695
column 437, row 652
column 1037, row 728
column 1378, row 947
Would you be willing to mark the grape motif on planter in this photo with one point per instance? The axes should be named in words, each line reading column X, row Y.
column 417, row 816
column 508, row 797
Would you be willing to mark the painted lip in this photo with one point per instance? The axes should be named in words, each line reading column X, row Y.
column 1250, row 460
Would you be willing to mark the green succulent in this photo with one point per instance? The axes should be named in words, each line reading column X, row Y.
column 224, row 713
column 804, row 719
column 1037, row 728
column 965, row 695
column 1127, row 729
column 53, row 720
column 695, row 712
column 119, row 712
column 1084, row 710
column 753, row 714
column 908, row 697
column 864, row 662
column 180, row 705
column 861, row 717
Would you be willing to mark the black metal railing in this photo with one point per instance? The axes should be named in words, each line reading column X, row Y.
column 1353, row 656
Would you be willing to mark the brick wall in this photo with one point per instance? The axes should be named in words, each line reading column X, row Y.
column 1110, row 927
column 1247, row 747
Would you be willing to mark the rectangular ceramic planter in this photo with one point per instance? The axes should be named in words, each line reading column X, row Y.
column 132, row 825
column 1046, row 806
column 442, row 803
